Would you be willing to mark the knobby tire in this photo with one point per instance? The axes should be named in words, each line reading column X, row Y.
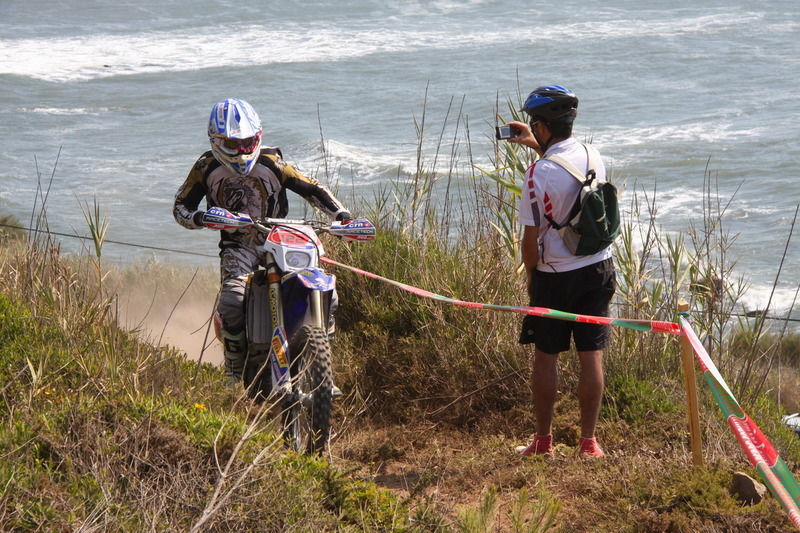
column 307, row 426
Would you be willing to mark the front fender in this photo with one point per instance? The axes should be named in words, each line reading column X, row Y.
column 312, row 278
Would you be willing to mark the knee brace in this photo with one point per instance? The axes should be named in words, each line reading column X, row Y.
column 235, row 346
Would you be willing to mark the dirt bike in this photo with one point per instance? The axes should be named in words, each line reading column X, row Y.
column 287, row 313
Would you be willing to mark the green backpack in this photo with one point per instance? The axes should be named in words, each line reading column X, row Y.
column 593, row 221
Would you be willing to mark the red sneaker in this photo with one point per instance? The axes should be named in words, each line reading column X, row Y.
column 590, row 448
column 540, row 445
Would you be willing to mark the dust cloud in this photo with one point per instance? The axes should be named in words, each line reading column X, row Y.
column 169, row 306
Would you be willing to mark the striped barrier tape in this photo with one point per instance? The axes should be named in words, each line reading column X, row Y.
column 759, row 450
column 639, row 325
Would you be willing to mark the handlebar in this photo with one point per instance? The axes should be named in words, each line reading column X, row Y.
column 288, row 222
column 222, row 219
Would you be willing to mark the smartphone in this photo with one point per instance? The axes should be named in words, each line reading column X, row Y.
column 505, row 132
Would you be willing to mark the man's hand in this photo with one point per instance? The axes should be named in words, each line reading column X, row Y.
column 344, row 216
column 524, row 135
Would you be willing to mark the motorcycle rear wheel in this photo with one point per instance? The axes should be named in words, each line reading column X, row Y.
column 307, row 420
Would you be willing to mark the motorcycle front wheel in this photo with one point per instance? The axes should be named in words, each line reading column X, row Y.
column 307, row 419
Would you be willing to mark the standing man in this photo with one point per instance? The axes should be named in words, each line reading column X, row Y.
column 556, row 278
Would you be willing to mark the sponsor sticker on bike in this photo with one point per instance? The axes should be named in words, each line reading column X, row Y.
column 316, row 279
column 355, row 230
column 280, row 362
column 218, row 218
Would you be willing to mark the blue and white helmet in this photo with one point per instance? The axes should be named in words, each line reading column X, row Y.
column 234, row 130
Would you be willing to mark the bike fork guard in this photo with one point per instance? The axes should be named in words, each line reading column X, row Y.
column 296, row 288
column 258, row 315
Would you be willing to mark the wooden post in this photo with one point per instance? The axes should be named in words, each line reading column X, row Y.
column 690, row 381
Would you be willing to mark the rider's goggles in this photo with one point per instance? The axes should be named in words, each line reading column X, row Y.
column 239, row 146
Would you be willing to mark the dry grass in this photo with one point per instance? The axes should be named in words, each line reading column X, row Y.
column 101, row 431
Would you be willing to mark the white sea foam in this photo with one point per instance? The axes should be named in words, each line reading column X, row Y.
column 706, row 132
column 755, row 208
column 343, row 158
column 103, row 55
column 757, row 297
column 672, row 27
column 368, row 156
column 67, row 111
column 369, row 163
column 97, row 56
column 418, row 8
column 679, row 207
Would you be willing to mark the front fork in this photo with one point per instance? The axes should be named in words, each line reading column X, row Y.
column 279, row 345
column 316, row 314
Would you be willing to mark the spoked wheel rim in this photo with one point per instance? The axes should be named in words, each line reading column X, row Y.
column 302, row 432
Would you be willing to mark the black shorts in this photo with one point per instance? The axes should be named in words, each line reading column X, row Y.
column 586, row 291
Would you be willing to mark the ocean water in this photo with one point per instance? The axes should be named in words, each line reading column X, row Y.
column 670, row 93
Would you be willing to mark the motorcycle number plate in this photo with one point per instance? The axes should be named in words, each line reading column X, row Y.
column 290, row 237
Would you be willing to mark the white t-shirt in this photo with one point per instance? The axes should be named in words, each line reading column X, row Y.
column 550, row 189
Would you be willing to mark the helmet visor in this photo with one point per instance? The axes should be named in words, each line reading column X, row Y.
column 239, row 146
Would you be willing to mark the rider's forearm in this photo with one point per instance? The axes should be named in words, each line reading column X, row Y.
column 187, row 218
column 317, row 195
column 189, row 195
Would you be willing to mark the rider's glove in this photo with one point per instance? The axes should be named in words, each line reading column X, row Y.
column 344, row 216
column 197, row 218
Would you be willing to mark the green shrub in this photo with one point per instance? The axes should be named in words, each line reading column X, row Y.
column 636, row 401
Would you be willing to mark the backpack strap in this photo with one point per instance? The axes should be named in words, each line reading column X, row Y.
column 591, row 157
column 568, row 166
column 591, row 165
column 583, row 180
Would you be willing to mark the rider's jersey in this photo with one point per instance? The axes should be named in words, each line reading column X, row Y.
column 260, row 194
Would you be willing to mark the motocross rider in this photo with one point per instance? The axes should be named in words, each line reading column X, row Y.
column 242, row 176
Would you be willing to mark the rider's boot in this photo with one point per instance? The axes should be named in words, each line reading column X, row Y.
column 235, row 345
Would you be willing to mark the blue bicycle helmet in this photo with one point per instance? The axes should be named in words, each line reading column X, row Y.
column 552, row 103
